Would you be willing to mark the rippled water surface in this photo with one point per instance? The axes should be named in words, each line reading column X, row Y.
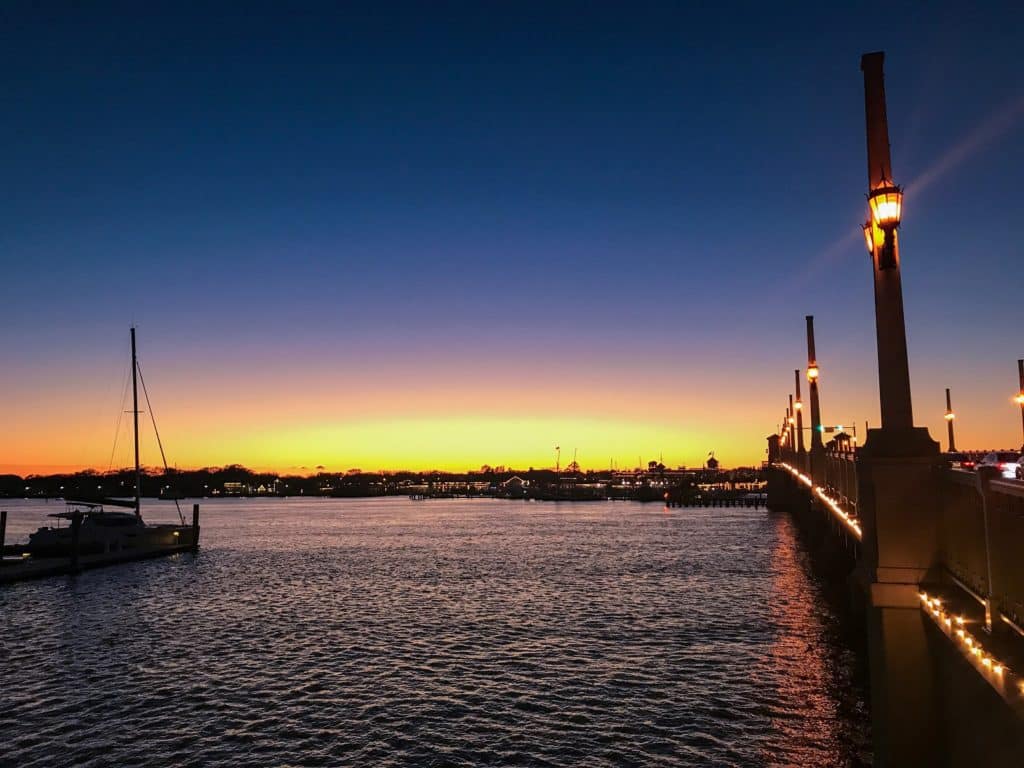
column 395, row 632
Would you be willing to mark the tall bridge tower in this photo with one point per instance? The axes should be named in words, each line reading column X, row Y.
column 897, row 470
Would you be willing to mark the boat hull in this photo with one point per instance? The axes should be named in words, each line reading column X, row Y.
column 16, row 566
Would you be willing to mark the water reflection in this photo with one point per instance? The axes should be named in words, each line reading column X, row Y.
column 390, row 632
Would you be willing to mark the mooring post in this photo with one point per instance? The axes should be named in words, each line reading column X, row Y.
column 3, row 533
column 898, row 478
column 195, row 527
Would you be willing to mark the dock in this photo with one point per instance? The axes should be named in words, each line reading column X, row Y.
column 17, row 564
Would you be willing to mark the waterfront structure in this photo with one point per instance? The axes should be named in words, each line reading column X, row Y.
column 929, row 550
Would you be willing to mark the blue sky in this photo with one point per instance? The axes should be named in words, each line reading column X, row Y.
column 672, row 188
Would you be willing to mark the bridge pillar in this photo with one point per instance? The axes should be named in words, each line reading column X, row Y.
column 898, row 480
column 898, row 477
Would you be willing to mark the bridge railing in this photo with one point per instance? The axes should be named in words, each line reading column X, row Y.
column 838, row 476
column 981, row 528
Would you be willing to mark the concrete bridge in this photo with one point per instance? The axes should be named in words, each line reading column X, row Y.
column 931, row 555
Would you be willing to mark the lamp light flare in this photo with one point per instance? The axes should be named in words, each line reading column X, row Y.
column 1019, row 398
column 812, row 372
column 949, row 416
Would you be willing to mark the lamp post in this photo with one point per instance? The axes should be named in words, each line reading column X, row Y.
column 897, row 487
column 949, row 421
column 817, row 446
column 1019, row 398
column 885, row 202
column 799, row 417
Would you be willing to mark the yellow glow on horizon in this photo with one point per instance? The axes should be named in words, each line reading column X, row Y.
column 444, row 443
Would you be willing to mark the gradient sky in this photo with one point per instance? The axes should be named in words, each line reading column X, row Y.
column 442, row 234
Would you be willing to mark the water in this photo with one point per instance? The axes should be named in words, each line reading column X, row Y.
column 391, row 632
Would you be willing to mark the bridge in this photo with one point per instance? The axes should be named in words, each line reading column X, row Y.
column 930, row 554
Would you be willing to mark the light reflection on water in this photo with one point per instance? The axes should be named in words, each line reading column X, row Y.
column 454, row 632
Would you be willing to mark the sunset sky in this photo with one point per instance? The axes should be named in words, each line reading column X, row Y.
column 437, row 235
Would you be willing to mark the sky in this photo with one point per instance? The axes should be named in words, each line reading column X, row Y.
column 439, row 235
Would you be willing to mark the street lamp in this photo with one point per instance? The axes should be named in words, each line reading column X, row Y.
column 1019, row 397
column 886, row 203
column 812, row 372
column 886, row 206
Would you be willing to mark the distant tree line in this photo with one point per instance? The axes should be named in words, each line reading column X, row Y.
column 237, row 480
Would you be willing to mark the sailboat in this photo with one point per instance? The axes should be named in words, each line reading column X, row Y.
column 96, row 536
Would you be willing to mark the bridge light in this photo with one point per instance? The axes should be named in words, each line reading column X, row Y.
column 886, row 204
column 812, row 373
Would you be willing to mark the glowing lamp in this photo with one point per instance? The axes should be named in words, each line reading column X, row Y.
column 949, row 416
column 869, row 237
column 1019, row 398
column 812, row 374
column 886, row 204
column 792, row 421
column 798, row 405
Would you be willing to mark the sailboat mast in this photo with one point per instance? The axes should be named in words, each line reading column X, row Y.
column 135, row 416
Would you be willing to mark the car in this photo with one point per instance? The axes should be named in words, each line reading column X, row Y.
column 959, row 459
column 1007, row 462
